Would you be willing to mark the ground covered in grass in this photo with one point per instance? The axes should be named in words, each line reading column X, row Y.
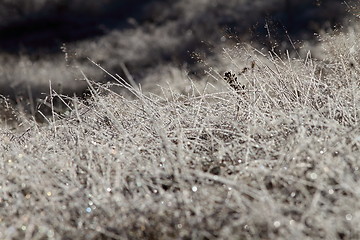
column 268, row 150
column 48, row 40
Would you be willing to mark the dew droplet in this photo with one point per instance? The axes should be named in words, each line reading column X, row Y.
column 348, row 217
column 194, row 188
column 277, row 224
column 313, row 176
column 88, row 209
column 331, row 191
column 50, row 233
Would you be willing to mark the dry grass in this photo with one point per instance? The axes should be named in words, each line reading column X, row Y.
column 144, row 35
column 272, row 155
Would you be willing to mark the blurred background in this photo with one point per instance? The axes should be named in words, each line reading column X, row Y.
column 51, row 41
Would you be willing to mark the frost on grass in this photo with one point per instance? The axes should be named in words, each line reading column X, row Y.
column 44, row 40
column 273, row 156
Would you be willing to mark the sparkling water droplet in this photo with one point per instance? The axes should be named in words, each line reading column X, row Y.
column 194, row 188
column 348, row 217
column 313, row 176
column 277, row 224
column 50, row 233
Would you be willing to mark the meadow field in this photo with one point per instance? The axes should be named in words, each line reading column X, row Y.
column 49, row 40
column 255, row 137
